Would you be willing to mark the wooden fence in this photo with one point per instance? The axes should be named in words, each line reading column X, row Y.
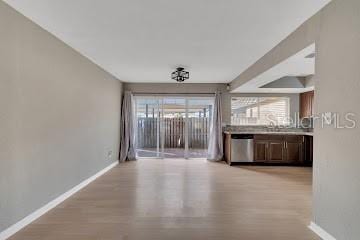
column 174, row 132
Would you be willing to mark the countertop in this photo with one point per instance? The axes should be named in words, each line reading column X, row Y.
column 271, row 133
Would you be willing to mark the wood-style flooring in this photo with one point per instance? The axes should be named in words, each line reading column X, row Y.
column 181, row 199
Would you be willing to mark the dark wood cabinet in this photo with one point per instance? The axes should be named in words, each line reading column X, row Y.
column 276, row 152
column 294, row 147
column 285, row 149
column 306, row 104
column 277, row 149
column 293, row 152
column 308, row 150
column 260, row 151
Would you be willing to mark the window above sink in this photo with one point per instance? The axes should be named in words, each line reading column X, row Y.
column 260, row 111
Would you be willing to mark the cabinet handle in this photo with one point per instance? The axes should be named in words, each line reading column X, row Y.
column 266, row 152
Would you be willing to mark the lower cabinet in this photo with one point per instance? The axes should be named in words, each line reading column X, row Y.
column 278, row 149
column 308, row 150
column 294, row 153
column 276, row 152
column 260, row 150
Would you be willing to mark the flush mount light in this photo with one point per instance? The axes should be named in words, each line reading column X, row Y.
column 180, row 74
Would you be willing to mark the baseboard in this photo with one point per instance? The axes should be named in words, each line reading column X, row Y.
column 320, row 232
column 41, row 211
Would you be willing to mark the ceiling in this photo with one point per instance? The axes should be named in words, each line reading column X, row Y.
column 298, row 65
column 144, row 41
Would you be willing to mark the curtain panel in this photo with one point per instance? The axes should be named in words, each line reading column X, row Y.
column 127, row 129
column 215, row 147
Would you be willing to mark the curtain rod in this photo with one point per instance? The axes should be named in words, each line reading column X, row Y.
column 154, row 93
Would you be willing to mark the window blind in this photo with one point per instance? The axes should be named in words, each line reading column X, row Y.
column 260, row 111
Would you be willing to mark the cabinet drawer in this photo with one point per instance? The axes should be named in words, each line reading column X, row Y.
column 294, row 138
column 269, row 137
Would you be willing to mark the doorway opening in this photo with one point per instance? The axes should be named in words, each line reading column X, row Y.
column 172, row 127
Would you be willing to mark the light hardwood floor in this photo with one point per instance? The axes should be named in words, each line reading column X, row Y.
column 184, row 199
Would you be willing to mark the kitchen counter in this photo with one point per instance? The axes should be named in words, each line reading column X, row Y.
column 263, row 146
column 270, row 133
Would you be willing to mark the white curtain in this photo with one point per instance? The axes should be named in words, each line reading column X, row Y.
column 127, row 130
column 215, row 148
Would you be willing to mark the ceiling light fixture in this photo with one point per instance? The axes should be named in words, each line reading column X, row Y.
column 180, row 75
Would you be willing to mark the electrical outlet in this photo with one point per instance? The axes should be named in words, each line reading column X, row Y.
column 110, row 154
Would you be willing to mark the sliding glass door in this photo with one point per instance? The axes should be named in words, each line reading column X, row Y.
column 199, row 115
column 148, row 112
column 172, row 127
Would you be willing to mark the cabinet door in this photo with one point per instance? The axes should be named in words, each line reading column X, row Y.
column 303, row 106
column 260, row 151
column 310, row 149
column 307, row 150
column 276, row 152
column 311, row 102
column 306, row 104
column 293, row 152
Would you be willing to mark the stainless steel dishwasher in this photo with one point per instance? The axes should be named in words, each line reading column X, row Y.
column 242, row 148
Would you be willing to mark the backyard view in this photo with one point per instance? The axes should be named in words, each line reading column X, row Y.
column 171, row 127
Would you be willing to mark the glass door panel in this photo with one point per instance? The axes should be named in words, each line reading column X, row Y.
column 174, row 126
column 199, row 115
column 148, row 127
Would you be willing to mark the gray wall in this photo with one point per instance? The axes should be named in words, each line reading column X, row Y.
column 59, row 117
column 337, row 161
column 175, row 88
column 336, row 183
